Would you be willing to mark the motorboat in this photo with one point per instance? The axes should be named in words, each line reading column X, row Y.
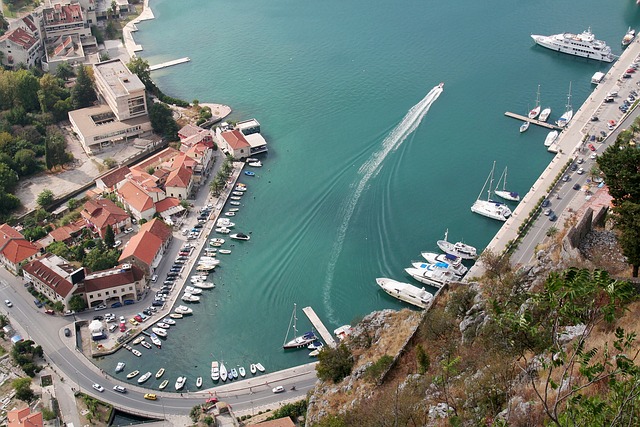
column 242, row 372
column 138, row 340
column 182, row 309
column 251, row 160
column 315, row 345
column 216, row 241
column 160, row 332
column 168, row 321
column 551, row 137
column 454, row 262
column 234, row 209
column 536, row 110
column 432, row 275
column 458, row 249
column 208, row 260
column 215, row 370
column 544, row 114
column 568, row 112
column 132, row 374
column 585, row 45
column 223, row 230
column 257, row 164
column 240, row 188
column 163, row 384
column 193, row 290
column 136, row 352
column 187, row 297
column 145, row 345
column 524, row 126
column 120, row 367
column 163, row 325
column 259, row 367
column 204, row 285
column 160, row 373
column 253, row 369
column 314, row 353
column 234, row 203
column 235, row 198
column 223, row 372
column 490, row 208
column 421, row 265
column 249, row 173
column 205, row 267
column 298, row 341
column 198, row 278
column 405, row 292
column 628, row 38
column 176, row 315
column 237, row 193
column 240, row 236
column 504, row 193
column 144, row 377
column 155, row 340
column 229, row 214
column 180, row 382
column 225, row 222
column 225, row 251
column 342, row 332
column 233, row 374
column 199, row 382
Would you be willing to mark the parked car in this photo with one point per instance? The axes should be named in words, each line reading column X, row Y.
column 157, row 303
column 134, row 321
column 119, row 389
column 128, row 230
column 591, row 147
column 123, row 327
column 67, row 332
column 116, row 304
column 154, row 278
column 552, row 217
column 608, row 99
column 98, row 387
column 49, row 312
column 580, row 171
column 566, row 178
column 545, row 203
column 129, row 302
column 37, row 303
column 117, row 243
column 99, row 307
column 548, row 212
column 98, row 318
column 574, row 167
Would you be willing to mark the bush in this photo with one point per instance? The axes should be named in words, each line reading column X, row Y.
column 375, row 371
column 293, row 410
column 334, row 363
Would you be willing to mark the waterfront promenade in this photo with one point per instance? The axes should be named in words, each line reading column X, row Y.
column 568, row 144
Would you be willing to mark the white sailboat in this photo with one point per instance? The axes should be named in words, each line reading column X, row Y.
column 504, row 193
column 490, row 208
column 298, row 341
column 551, row 137
column 536, row 111
column 568, row 113
column 544, row 115
column 524, row 126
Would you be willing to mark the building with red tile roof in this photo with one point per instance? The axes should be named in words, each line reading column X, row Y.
column 20, row 46
column 24, row 418
column 191, row 135
column 15, row 250
column 66, row 233
column 54, row 277
column 118, row 284
column 243, row 141
column 100, row 213
column 145, row 249
column 137, row 200
column 179, row 182
column 62, row 19
column 280, row 422
column 109, row 182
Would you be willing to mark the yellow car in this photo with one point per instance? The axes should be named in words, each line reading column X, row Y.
column 133, row 322
column 150, row 396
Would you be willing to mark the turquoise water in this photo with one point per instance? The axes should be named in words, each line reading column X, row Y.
column 342, row 199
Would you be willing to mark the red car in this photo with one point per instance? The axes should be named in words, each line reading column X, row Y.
column 591, row 147
column 630, row 70
column 138, row 318
column 123, row 327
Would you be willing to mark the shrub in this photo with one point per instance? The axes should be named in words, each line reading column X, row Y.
column 375, row 371
column 334, row 363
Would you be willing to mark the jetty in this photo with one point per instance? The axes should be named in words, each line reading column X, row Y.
column 532, row 121
column 317, row 323
column 169, row 63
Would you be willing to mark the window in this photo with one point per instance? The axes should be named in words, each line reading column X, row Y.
column 99, row 294
column 106, row 293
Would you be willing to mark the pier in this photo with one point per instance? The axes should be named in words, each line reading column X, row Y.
column 317, row 323
column 169, row 63
column 532, row 121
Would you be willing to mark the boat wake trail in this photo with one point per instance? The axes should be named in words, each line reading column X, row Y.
column 367, row 171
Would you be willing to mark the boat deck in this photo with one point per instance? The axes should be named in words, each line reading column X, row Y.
column 532, row 121
column 317, row 323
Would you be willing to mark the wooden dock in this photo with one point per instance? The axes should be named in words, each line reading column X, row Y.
column 322, row 330
column 532, row 121
column 169, row 63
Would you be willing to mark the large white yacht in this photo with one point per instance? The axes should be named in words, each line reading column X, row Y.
column 432, row 275
column 585, row 45
column 405, row 292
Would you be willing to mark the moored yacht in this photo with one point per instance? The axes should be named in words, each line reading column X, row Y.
column 432, row 275
column 180, row 383
column 628, row 38
column 458, row 249
column 544, row 114
column 405, row 292
column 551, row 137
column 240, row 236
column 490, row 208
column 215, row 370
column 454, row 262
column 585, row 45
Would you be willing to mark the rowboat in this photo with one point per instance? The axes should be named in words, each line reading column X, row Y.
column 163, row 384
column 160, row 373
column 132, row 374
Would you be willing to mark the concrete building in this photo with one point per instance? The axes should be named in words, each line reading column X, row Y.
column 242, row 141
column 121, row 89
column 116, row 285
column 63, row 49
column 54, row 277
column 64, row 18
column 20, row 46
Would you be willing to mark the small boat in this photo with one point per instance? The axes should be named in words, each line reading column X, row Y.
column 298, row 341
column 225, row 223
column 223, row 230
column 159, row 332
column 180, row 383
column 216, row 241
column 205, row 267
column 257, row 164
column 504, row 193
column 120, row 367
column 253, row 369
column 198, row 278
column 251, row 160
column 169, row 321
column 235, row 198
column 132, row 374
column 176, row 315
column 628, row 38
column 405, row 292
column 458, row 249
column 568, row 113
column 524, row 126
column 136, row 352
column 145, row 344
column 225, row 251
column 163, row 384
column 160, row 373
column 259, row 367
column 138, row 340
column 249, row 173
column 551, row 137
column 229, row 214
column 187, row 297
column 544, row 115
column 163, row 325
column 240, row 236
column 234, row 209
column 223, row 372
column 242, row 372
column 144, row 378
column 199, row 382
column 192, row 290
column 315, row 345
column 208, row 260
column 234, row 203
column 233, row 374
column 536, row 111
column 155, row 340
column 240, row 188
column 314, row 353
column 237, row 193
column 204, row 285
column 215, row 371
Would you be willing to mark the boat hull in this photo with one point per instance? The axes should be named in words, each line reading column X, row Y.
column 405, row 292
column 563, row 43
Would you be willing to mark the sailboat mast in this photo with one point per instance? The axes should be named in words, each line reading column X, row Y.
column 504, row 183
column 569, row 98
column 538, row 97
column 491, row 182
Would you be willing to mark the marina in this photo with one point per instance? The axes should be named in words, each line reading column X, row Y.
column 319, row 326
column 536, row 122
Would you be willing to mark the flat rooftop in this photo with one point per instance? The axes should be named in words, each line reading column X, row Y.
column 100, row 120
column 116, row 74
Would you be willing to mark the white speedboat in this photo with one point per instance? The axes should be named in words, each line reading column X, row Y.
column 259, row 367
column 234, row 210
column 136, row 352
column 144, row 378
column 240, row 236
column 155, row 340
column 216, row 241
column 159, row 332
column 421, row 265
column 585, row 45
column 432, row 275
column 253, row 369
column 192, row 290
column 229, row 214
column 298, row 341
column 536, row 111
column 208, row 260
column 168, row 321
column 223, row 230
column 551, row 137
column 199, row 382
column 145, row 345
column 223, row 372
column 405, row 292
column 204, row 285
column 187, row 297
column 120, row 367
column 182, row 309
column 163, row 325
column 163, row 384
column 205, row 267
column 198, row 278
column 568, row 112
column 176, row 315
column 233, row 374
column 215, row 370
column 251, row 159
column 257, row 164
column 138, row 340
column 490, row 208
column 458, row 249
column 504, row 193
column 159, row 373
column 234, row 203
column 242, row 372
column 180, row 382
column 225, row 251
column 240, row 188
column 235, row 199
column 453, row 262
column 224, row 222
column 628, row 38
column 544, row 114
column 237, row 193
column 524, row 126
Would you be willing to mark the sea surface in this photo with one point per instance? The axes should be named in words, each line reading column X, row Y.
column 368, row 163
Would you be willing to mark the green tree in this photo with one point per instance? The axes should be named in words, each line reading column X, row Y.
column 45, row 198
column 8, row 178
column 619, row 163
column 162, row 121
column 77, row 303
column 109, row 237
column 22, row 387
column 64, row 71
column 100, row 259
column 25, row 162
column 27, row 86
column 8, row 202
column 627, row 216
column 83, row 94
column 140, row 68
column 334, row 363
column 56, row 148
column 423, row 360
column 51, row 91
